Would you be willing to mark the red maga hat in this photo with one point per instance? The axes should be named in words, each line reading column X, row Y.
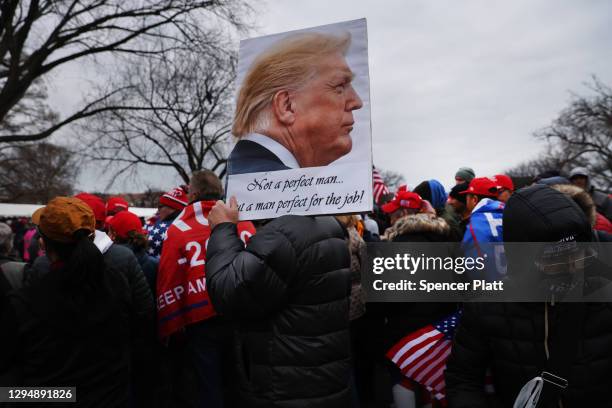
column 482, row 186
column 116, row 204
column 124, row 222
column 96, row 204
column 503, row 181
column 403, row 199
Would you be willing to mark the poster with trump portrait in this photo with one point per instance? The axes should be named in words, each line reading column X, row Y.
column 302, row 140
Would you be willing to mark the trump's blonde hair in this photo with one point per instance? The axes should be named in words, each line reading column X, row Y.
column 287, row 65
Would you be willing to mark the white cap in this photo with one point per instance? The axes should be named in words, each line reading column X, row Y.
column 579, row 171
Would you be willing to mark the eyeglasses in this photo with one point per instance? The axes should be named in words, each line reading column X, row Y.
column 563, row 267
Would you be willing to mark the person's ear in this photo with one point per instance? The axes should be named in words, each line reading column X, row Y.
column 283, row 107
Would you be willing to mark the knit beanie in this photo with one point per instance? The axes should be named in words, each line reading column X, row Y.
column 466, row 173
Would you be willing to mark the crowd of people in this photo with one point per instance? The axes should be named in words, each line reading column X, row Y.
column 194, row 308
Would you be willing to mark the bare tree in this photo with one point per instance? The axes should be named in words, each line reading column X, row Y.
column 392, row 179
column 36, row 173
column 37, row 36
column 149, row 198
column 182, row 119
column 32, row 113
column 580, row 136
column 551, row 160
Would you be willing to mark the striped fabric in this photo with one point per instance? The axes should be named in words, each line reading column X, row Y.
column 421, row 356
column 378, row 186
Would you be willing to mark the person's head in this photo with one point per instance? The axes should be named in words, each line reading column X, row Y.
column 115, row 205
column 6, row 239
column 172, row 202
column 540, row 213
column 554, row 226
column 464, row 175
column 404, row 203
column 165, row 211
column 478, row 189
column 204, row 185
column 458, row 200
column 505, row 187
column 580, row 177
column 67, row 227
column 126, row 228
column 299, row 92
column 432, row 191
column 97, row 205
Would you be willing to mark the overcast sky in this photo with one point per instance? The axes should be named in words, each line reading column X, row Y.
column 453, row 83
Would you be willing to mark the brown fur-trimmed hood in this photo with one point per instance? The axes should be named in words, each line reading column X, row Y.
column 580, row 197
column 417, row 223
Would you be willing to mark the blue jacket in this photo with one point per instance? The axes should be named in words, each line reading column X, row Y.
column 485, row 227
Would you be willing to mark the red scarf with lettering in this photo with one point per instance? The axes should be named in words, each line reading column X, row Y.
column 181, row 295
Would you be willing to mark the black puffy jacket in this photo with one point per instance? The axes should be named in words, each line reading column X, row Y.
column 50, row 340
column 122, row 259
column 141, row 322
column 512, row 339
column 509, row 339
column 288, row 294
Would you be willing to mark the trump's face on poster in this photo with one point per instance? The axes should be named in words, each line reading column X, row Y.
column 303, row 142
column 323, row 113
column 295, row 106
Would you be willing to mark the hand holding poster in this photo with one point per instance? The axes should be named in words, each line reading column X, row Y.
column 303, row 124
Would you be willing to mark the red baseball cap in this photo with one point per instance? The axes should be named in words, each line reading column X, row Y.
column 116, row 204
column 96, row 204
column 403, row 199
column 176, row 198
column 124, row 222
column 503, row 181
column 482, row 186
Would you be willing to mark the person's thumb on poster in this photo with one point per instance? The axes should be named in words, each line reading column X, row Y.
column 222, row 212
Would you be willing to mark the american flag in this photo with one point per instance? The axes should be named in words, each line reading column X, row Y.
column 421, row 356
column 378, row 186
column 156, row 234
